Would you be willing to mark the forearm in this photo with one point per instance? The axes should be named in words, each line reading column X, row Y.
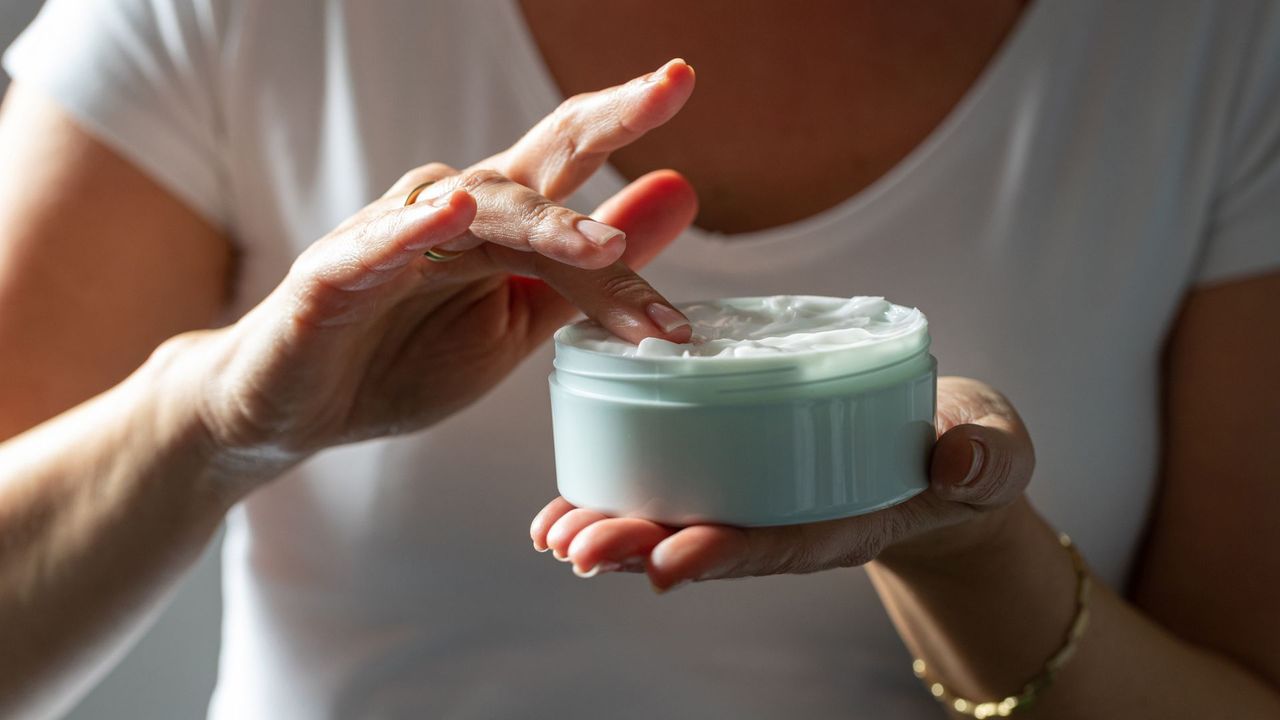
column 101, row 509
column 986, row 621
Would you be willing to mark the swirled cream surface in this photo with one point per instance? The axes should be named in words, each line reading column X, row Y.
column 765, row 326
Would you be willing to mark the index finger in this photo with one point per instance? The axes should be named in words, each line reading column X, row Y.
column 566, row 147
column 653, row 210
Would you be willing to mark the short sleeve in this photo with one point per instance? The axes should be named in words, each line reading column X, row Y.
column 1243, row 235
column 141, row 76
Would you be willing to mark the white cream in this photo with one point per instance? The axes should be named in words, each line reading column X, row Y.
column 753, row 327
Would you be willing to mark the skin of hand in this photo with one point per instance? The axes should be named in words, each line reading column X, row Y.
column 976, row 582
column 103, row 505
column 981, row 463
column 366, row 337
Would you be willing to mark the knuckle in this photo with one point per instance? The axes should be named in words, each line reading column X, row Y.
column 311, row 262
column 894, row 525
column 310, row 297
column 481, row 179
column 788, row 551
column 628, row 286
column 317, row 303
column 175, row 345
column 855, row 543
column 376, row 232
column 565, row 126
column 860, row 550
column 805, row 559
column 541, row 211
column 565, row 116
column 178, row 348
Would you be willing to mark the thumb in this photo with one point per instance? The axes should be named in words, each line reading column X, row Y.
column 984, row 466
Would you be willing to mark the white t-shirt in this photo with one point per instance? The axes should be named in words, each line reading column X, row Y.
column 1111, row 157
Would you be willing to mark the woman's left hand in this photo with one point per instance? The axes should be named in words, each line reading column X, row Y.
column 981, row 463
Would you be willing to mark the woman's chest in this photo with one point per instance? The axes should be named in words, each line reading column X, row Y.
column 999, row 229
column 793, row 112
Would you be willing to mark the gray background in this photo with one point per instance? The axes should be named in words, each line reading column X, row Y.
column 170, row 673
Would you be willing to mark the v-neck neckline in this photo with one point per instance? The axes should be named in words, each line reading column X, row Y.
column 540, row 94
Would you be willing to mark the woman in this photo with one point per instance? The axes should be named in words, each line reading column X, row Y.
column 1062, row 187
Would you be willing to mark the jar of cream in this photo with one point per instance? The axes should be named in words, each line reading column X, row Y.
column 780, row 410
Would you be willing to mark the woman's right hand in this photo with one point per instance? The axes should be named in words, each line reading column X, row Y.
column 102, row 506
column 366, row 337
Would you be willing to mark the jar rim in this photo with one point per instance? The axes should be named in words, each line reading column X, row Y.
column 869, row 356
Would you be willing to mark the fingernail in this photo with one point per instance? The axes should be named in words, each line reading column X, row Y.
column 666, row 317
column 975, row 465
column 556, row 554
column 541, row 549
column 604, row 567
column 663, row 591
column 657, row 75
column 633, row 564
column 661, row 73
column 598, row 232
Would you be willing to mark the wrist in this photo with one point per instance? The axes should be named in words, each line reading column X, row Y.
column 985, row 618
column 173, row 383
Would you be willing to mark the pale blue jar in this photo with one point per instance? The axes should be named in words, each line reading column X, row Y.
column 778, row 439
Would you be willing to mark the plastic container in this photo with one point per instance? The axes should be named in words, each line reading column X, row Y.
column 763, row 439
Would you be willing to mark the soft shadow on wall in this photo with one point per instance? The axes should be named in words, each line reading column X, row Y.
column 171, row 671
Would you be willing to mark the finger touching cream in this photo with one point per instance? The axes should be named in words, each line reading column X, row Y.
column 780, row 410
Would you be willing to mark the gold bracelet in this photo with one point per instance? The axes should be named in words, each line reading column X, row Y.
column 1036, row 685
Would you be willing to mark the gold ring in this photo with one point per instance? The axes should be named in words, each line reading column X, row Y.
column 433, row 255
